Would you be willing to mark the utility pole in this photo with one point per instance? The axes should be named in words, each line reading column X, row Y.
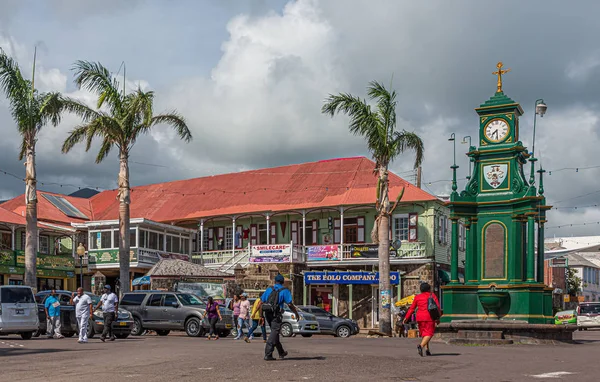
column 419, row 177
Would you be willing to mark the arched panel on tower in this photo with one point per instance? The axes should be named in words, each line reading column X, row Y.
column 494, row 251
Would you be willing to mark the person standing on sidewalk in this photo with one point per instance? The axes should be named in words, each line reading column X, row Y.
column 272, row 302
column 52, row 308
column 110, row 306
column 256, row 320
column 244, row 317
column 83, row 312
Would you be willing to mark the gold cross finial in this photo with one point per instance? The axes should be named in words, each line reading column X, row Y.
column 499, row 73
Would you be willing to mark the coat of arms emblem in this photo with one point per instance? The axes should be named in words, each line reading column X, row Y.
column 495, row 174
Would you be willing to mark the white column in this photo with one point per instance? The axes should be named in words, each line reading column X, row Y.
column 12, row 238
column 164, row 243
column 233, row 238
column 268, row 229
column 342, row 226
column 303, row 228
column 190, row 243
column 73, row 241
column 201, row 236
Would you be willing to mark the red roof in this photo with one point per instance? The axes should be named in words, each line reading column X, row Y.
column 328, row 183
column 10, row 217
column 47, row 211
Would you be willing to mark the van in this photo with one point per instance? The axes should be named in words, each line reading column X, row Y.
column 588, row 315
column 18, row 311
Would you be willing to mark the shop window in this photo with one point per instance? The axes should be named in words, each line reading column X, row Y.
column 143, row 236
column 175, row 244
column 400, row 227
column 5, row 240
column 101, row 240
column 116, row 237
column 152, row 240
column 185, row 245
column 23, row 240
column 228, row 238
column 262, row 234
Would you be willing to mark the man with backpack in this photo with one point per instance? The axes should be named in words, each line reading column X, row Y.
column 272, row 302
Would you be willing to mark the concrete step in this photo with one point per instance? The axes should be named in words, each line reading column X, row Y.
column 483, row 334
column 479, row 341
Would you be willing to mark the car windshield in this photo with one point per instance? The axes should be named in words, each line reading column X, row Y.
column 17, row 295
column 189, row 300
column 589, row 309
column 320, row 311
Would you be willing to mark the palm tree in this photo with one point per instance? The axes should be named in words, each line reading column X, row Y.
column 31, row 111
column 385, row 144
column 118, row 121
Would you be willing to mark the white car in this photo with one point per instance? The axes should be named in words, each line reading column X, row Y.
column 18, row 311
column 588, row 315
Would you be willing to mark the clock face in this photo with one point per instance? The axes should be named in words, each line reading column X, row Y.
column 496, row 130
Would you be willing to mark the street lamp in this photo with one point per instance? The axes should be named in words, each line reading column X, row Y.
column 540, row 109
column 81, row 253
column 454, row 166
column 469, row 142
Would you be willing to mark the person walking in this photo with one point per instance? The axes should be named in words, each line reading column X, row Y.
column 235, row 306
column 272, row 301
column 52, row 309
column 110, row 306
column 214, row 315
column 256, row 320
column 244, row 317
column 83, row 312
column 425, row 322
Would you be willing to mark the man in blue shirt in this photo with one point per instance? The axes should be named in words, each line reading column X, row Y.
column 274, row 316
column 52, row 308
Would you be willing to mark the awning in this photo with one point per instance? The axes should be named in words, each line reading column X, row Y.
column 444, row 276
column 144, row 280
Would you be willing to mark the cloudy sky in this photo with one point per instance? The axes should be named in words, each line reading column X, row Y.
column 251, row 76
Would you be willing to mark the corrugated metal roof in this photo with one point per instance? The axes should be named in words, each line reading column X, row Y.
column 173, row 267
column 48, row 212
column 329, row 183
column 7, row 216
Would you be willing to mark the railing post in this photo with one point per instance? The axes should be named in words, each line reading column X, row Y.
column 233, row 239
column 12, row 238
column 268, row 229
column 202, row 241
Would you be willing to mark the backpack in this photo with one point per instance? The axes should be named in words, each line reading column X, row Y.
column 432, row 308
column 272, row 304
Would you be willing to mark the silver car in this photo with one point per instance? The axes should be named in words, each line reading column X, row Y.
column 18, row 311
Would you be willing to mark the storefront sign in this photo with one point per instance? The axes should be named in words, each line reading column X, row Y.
column 275, row 253
column 368, row 278
column 323, row 252
column 109, row 256
column 368, row 251
column 49, row 261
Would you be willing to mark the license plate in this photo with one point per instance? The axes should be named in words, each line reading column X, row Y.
column 228, row 326
column 123, row 323
column 19, row 311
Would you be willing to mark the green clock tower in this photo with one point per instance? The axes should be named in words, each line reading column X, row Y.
column 501, row 207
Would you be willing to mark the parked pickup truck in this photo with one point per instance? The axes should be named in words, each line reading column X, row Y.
column 165, row 311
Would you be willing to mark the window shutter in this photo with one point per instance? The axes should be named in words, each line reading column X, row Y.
column 253, row 234
column 315, row 230
column 211, row 239
column 447, row 229
column 273, row 233
column 360, row 222
column 337, row 233
column 221, row 233
column 294, row 231
column 413, row 219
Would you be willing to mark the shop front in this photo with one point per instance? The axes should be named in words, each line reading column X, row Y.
column 351, row 294
column 52, row 271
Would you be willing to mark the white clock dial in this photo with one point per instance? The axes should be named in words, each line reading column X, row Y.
column 497, row 130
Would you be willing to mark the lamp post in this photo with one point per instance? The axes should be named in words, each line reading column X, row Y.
column 81, row 253
column 540, row 109
column 469, row 142
column 454, row 166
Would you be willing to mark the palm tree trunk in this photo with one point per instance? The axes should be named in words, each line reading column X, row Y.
column 31, row 236
column 385, row 319
column 124, row 200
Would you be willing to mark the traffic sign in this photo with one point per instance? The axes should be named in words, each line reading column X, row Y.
column 559, row 262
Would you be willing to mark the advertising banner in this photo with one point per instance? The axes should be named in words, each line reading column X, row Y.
column 203, row 290
column 272, row 253
column 365, row 278
column 323, row 252
column 368, row 251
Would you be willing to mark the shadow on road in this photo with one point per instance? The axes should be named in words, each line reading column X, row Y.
column 25, row 352
column 444, row 354
column 319, row 358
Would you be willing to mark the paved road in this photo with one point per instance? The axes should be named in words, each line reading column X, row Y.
column 176, row 357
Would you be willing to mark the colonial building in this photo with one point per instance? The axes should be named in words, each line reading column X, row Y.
column 304, row 220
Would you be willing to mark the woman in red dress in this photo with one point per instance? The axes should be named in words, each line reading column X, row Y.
column 426, row 324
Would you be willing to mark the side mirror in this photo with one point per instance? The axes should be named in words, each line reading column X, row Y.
column 174, row 304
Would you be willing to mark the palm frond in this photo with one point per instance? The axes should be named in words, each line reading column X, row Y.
column 95, row 78
column 386, row 104
column 176, row 121
column 23, row 148
column 80, row 109
column 406, row 140
column 75, row 136
column 51, row 107
column 104, row 149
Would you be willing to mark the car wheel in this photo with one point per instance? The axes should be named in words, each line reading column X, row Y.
column 37, row 333
column 163, row 333
column 137, row 329
column 27, row 335
column 307, row 335
column 90, row 330
column 69, row 334
column 343, row 331
column 286, row 330
column 121, row 336
column 193, row 327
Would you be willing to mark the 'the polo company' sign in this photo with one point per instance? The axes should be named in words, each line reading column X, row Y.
column 368, row 278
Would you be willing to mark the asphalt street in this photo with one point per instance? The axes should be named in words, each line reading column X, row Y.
column 320, row 358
